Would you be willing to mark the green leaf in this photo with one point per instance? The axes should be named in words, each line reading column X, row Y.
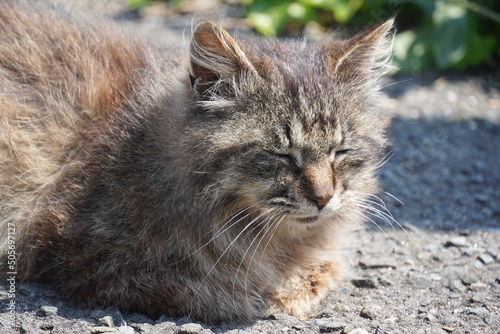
column 344, row 10
column 450, row 34
column 268, row 17
column 479, row 49
column 412, row 52
column 137, row 4
column 427, row 5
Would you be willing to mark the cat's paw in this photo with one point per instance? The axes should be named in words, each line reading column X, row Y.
column 303, row 291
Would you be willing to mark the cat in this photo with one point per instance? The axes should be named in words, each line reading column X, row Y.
column 219, row 182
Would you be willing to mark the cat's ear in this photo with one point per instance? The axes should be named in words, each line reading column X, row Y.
column 367, row 53
column 215, row 56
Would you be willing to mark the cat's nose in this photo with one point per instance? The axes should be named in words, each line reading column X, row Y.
column 318, row 183
column 321, row 202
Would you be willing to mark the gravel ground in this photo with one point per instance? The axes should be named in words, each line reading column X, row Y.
column 434, row 269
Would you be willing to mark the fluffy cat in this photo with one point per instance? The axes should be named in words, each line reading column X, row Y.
column 218, row 183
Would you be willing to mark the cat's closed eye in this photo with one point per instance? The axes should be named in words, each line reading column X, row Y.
column 284, row 158
column 336, row 154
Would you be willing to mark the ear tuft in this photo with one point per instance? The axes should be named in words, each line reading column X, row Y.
column 368, row 52
column 215, row 56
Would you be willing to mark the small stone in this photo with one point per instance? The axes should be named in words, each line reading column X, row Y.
column 480, row 311
column 431, row 248
column 107, row 321
column 400, row 250
column 126, row 330
column 47, row 311
column 365, row 282
column 448, row 329
column 378, row 263
column 478, row 286
column 470, row 251
column 342, row 308
column 280, row 316
column 420, row 281
column 456, row 285
column 486, row 258
column 359, row 331
column 368, row 314
column 166, row 327
column 457, row 242
column 102, row 330
column 478, row 264
column 469, row 277
column 331, row 327
column 143, row 327
column 480, row 298
column 429, row 317
column 385, row 281
column 348, row 329
column 409, row 262
column 191, row 329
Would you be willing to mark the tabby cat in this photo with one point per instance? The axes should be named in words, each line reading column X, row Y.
column 218, row 183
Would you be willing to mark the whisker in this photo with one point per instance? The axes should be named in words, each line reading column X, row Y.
column 226, row 250
column 266, row 226
column 379, row 213
column 393, row 197
column 369, row 219
column 360, row 225
column 224, row 228
column 382, row 205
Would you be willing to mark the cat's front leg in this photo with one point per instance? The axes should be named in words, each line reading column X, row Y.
column 303, row 289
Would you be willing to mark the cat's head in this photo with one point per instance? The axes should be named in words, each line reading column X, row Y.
column 288, row 127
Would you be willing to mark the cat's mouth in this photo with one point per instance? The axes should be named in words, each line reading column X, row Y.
column 308, row 220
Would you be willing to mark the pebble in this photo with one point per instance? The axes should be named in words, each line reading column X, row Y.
column 457, row 242
column 433, row 248
column 480, row 311
column 107, row 321
column 143, row 327
column 328, row 326
column 166, row 327
column 348, row 328
column 377, row 263
column 191, row 329
column 126, row 330
column 469, row 251
column 102, row 330
column 468, row 277
column 420, row 281
column 359, row 331
column 365, row 282
column 368, row 314
column 478, row 286
column 456, row 285
column 47, row 311
column 486, row 258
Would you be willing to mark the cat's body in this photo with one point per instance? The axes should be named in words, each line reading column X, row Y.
column 219, row 183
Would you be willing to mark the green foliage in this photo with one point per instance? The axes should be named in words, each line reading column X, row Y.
column 442, row 34
column 445, row 34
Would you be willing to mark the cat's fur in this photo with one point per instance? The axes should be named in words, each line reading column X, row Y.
column 217, row 183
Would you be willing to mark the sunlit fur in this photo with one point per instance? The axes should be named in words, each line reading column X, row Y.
column 219, row 183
